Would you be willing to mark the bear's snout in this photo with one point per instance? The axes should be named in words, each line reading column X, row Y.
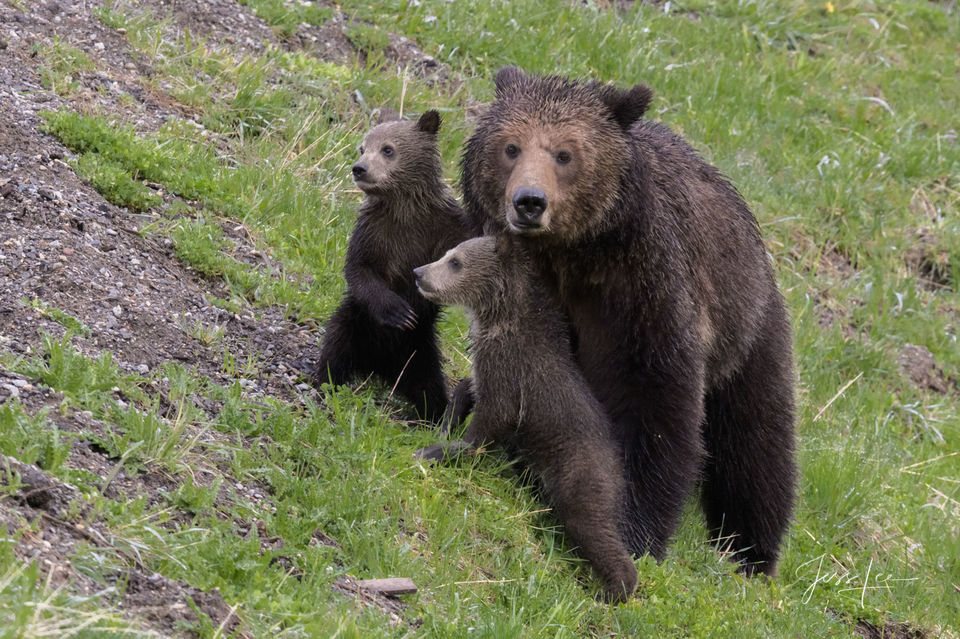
column 529, row 203
column 359, row 171
column 419, row 277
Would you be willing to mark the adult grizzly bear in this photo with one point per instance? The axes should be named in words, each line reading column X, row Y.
column 408, row 217
column 543, row 410
column 676, row 319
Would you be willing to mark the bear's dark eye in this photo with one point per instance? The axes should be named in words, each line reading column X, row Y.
column 361, row 150
column 512, row 151
column 563, row 157
column 387, row 150
column 455, row 263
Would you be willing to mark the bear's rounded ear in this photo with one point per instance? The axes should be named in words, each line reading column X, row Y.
column 507, row 78
column 626, row 107
column 429, row 122
column 386, row 114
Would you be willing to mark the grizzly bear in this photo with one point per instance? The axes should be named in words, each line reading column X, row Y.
column 408, row 217
column 541, row 409
column 676, row 319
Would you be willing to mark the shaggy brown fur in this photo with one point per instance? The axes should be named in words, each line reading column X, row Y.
column 678, row 325
column 408, row 217
column 532, row 399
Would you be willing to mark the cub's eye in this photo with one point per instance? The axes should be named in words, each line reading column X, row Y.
column 455, row 263
column 563, row 157
column 387, row 150
column 361, row 150
column 512, row 151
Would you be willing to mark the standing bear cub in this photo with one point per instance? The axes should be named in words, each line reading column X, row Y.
column 532, row 399
column 408, row 217
column 677, row 323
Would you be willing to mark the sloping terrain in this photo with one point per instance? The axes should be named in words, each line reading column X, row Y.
column 174, row 207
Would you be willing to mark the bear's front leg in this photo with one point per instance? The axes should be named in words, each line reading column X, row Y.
column 460, row 406
column 444, row 451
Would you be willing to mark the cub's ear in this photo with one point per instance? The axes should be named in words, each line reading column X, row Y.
column 429, row 122
column 387, row 114
column 626, row 106
column 507, row 78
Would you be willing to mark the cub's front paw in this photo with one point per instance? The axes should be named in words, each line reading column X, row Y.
column 443, row 452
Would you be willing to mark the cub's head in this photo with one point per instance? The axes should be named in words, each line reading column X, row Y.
column 549, row 155
column 399, row 155
column 470, row 275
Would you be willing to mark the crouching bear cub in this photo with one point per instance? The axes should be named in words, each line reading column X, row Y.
column 408, row 217
column 531, row 398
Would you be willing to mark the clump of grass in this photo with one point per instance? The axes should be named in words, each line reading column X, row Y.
column 31, row 607
column 195, row 498
column 285, row 16
column 32, row 439
column 368, row 38
column 115, row 183
column 89, row 382
column 61, row 65
column 59, row 316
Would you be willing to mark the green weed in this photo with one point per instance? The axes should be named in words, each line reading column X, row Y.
column 115, row 183
column 68, row 321
column 32, row 438
column 61, row 64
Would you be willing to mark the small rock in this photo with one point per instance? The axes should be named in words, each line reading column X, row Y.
column 12, row 390
column 303, row 387
column 46, row 194
column 143, row 369
column 98, row 46
column 117, row 310
column 67, row 251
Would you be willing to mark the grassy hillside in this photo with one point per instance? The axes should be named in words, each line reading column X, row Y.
column 837, row 121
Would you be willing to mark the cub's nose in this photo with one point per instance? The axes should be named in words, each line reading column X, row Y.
column 359, row 171
column 529, row 204
column 418, row 274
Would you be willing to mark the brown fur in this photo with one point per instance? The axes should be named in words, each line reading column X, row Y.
column 678, row 325
column 532, row 399
column 408, row 217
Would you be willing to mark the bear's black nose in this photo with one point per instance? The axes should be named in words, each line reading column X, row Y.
column 529, row 204
column 359, row 170
column 418, row 274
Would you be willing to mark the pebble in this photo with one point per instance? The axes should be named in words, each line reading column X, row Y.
column 117, row 310
column 12, row 390
column 143, row 369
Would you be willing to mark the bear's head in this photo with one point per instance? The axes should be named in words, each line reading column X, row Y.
column 549, row 155
column 471, row 274
column 399, row 155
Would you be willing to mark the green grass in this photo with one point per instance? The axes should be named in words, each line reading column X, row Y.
column 60, row 65
column 31, row 607
column 838, row 126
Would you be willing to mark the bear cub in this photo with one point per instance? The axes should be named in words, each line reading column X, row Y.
column 408, row 217
column 531, row 398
